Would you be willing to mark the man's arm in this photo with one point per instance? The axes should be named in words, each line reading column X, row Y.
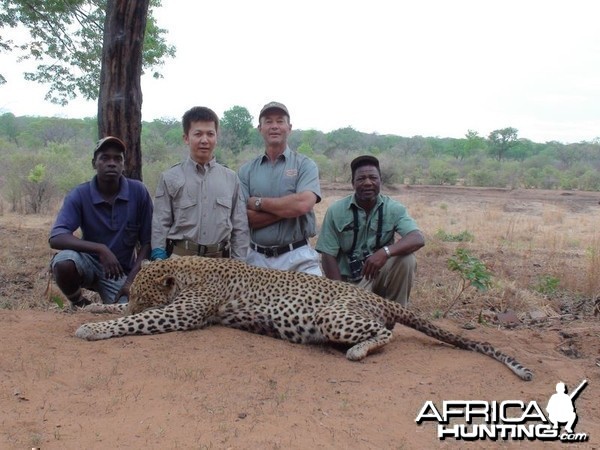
column 110, row 263
column 330, row 267
column 273, row 209
column 240, row 233
column 143, row 254
column 162, row 219
column 408, row 244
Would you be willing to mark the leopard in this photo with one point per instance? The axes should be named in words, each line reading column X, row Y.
column 193, row 292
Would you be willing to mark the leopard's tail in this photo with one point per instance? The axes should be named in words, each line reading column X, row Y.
column 407, row 318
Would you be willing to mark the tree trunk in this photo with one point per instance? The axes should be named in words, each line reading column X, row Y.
column 120, row 96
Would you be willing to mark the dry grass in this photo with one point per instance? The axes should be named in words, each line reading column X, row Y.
column 24, row 261
column 542, row 254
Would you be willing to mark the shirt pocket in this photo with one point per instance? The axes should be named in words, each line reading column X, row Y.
column 131, row 233
column 347, row 237
column 387, row 232
column 288, row 184
column 185, row 210
column 223, row 207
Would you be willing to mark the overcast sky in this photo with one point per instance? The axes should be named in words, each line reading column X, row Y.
column 426, row 67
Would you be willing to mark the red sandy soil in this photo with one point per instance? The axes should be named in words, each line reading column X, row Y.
column 221, row 388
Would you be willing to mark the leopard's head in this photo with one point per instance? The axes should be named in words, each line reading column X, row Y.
column 155, row 285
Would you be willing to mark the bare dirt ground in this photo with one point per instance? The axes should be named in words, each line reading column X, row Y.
column 223, row 388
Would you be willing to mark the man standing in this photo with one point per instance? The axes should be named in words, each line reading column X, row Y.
column 198, row 208
column 356, row 241
column 281, row 187
column 114, row 214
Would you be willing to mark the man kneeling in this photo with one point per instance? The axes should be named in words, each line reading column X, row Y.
column 356, row 241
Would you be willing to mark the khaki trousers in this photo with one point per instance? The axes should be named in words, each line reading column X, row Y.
column 395, row 279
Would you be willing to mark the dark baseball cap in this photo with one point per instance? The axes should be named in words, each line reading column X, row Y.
column 273, row 105
column 109, row 140
column 364, row 160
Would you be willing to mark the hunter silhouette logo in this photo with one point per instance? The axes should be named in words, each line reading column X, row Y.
column 560, row 406
column 472, row 420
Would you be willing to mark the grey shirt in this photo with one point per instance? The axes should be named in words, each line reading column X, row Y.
column 200, row 203
column 291, row 173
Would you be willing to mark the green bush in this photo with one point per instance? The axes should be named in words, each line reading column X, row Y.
column 547, row 285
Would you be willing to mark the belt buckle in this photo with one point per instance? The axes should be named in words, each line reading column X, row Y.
column 271, row 252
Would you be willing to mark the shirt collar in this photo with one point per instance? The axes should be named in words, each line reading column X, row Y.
column 354, row 203
column 123, row 193
column 197, row 167
column 284, row 156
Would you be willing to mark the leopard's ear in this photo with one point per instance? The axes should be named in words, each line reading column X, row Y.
column 167, row 281
column 146, row 262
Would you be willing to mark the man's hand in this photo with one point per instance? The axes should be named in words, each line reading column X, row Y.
column 374, row 263
column 123, row 292
column 111, row 265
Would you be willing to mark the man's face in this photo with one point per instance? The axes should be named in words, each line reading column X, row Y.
column 367, row 183
column 275, row 128
column 109, row 163
column 202, row 140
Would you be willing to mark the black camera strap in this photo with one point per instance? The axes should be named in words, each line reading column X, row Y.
column 379, row 228
column 355, row 228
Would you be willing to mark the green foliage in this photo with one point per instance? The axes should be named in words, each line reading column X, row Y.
column 66, row 40
column 463, row 236
column 37, row 174
column 37, row 188
column 64, row 146
column 58, row 300
column 440, row 173
column 544, row 177
column 473, row 273
column 471, row 269
column 306, row 149
column 547, row 285
column 236, row 127
column 590, row 180
column 346, row 140
column 501, row 141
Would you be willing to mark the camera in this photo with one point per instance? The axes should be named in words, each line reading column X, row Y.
column 356, row 266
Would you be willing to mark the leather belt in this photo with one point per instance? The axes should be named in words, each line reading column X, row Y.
column 200, row 249
column 278, row 250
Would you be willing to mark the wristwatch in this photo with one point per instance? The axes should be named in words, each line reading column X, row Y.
column 386, row 249
column 258, row 203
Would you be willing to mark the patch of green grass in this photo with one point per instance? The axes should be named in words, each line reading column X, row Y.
column 58, row 300
column 547, row 285
column 463, row 236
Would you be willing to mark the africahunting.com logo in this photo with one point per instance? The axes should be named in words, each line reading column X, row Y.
column 472, row 420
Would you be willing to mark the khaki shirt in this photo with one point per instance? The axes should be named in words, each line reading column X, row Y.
column 200, row 203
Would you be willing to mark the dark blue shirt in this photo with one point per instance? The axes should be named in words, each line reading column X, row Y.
column 119, row 226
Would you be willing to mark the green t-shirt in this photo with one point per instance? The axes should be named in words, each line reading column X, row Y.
column 337, row 232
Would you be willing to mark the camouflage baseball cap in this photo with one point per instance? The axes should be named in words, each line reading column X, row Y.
column 115, row 141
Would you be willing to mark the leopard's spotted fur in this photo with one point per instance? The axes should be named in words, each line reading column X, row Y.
column 192, row 292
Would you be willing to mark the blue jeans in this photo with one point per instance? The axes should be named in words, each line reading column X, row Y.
column 92, row 273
